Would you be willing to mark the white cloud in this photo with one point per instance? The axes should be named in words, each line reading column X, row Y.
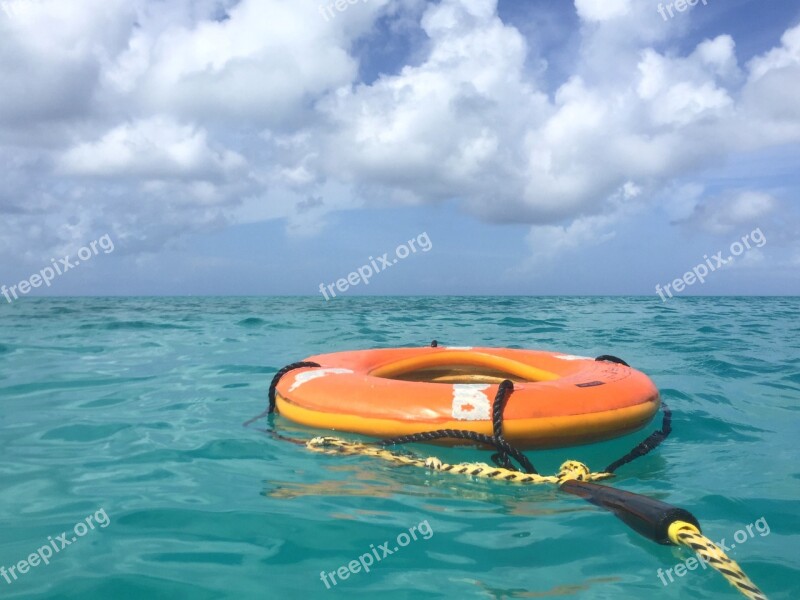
column 769, row 108
column 448, row 127
column 680, row 92
column 787, row 55
column 680, row 201
column 468, row 123
column 602, row 10
column 52, row 54
column 731, row 212
column 215, row 112
column 262, row 65
column 549, row 241
column 154, row 148
column 305, row 215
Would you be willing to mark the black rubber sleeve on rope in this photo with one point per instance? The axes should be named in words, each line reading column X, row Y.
column 647, row 516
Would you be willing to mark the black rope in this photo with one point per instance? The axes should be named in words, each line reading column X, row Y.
column 651, row 443
column 613, row 359
column 274, row 384
column 505, row 451
column 501, row 459
column 653, row 440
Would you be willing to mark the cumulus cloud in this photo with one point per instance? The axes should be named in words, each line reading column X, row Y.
column 449, row 127
column 216, row 112
column 52, row 55
column 602, row 10
column 768, row 107
column 468, row 123
column 549, row 241
column 153, row 148
column 733, row 211
column 261, row 65
column 786, row 56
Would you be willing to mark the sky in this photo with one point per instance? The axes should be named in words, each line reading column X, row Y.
column 262, row 147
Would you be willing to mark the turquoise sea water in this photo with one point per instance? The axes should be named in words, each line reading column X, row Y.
column 133, row 409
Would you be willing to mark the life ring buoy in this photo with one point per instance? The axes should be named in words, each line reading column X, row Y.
column 558, row 399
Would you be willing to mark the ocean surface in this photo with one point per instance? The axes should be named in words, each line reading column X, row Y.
column 122, row 428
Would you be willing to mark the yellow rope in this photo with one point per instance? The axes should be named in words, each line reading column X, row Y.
column 572, row 469
column 686, row 534
column 681, row 533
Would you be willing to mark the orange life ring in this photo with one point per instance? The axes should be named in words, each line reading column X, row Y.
column 558, row 399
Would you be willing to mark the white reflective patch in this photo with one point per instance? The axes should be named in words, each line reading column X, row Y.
column 458, row 347
column 570, row 357
column 302, row 378
column 470, row 403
